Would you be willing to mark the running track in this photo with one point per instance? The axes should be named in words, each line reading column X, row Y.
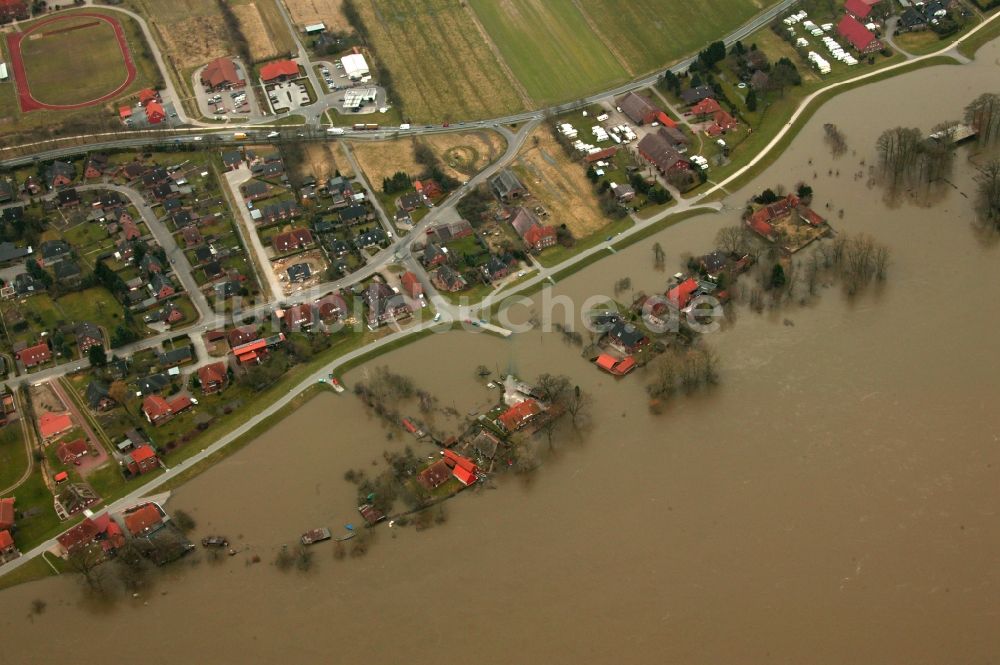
column 27, row 101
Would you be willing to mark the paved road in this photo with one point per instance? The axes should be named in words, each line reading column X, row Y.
column 28, row 434
column 234, row 179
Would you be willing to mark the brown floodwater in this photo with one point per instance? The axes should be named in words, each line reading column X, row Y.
column 834, row 500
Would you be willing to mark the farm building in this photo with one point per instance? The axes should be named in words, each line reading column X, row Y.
column 355, row 66
column 860, row 37
column 315, row 28
column 659, row 152
column 220, row 74
column 507, row 187
column 279, row 70
column 4, row 74
column 638, row 109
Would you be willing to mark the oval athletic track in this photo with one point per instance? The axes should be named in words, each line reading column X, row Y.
column 24, row 96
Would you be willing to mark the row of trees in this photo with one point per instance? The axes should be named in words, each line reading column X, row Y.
column 908, row 161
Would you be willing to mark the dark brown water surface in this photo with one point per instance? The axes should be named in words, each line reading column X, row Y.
column 833, row 501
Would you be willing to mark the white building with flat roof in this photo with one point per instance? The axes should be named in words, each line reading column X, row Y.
column 355, row 98
column 355, row 66
column 315, row 28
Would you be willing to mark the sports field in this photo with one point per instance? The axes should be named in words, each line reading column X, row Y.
column 71, row 60
column 650, row 34
column 550, row 48
column 441, row 66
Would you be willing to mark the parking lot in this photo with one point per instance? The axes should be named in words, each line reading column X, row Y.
column 236, row 103
column 288, row 96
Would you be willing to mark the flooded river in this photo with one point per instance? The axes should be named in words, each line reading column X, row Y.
column 833, row 501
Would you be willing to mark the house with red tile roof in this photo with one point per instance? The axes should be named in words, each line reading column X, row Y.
column 53, row 424
column 7, row 513
column 35, row 355
column 71, row 451
column 148, row 95
column 435, row 475
column 299, row 316
column 142, row 460
column 155, row 113
column 214, row 378
column 860, row 37
column 159, row 410
column 293, row 240
column 332, row 307
column 279, row 70
column 220, row 73
column 540, row 237
column 8, row 550
column 411, row 285
column 613, row 365
column 722, row 122
column 144, row 520
column 518, row 415
column 706, row 107
column 241, row 335
column 859, row 9
column 79, row 536
column 463, row 468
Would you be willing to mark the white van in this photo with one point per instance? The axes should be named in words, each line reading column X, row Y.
column 404, row 126
column 334, row 130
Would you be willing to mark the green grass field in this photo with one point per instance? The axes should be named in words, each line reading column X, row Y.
column 550, row 48
column 13, row 456
column 441, row 66
column 88, row 55
column 650, row 34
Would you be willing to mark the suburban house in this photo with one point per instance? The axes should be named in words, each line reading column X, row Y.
column 705, row 108
column 860, row 37
column 242, row 335
column 714, row 263
column 694, row 95
column 175, row 357
column 70, row 451
column 152, row 384
column 411, row 285
column 626, row 338
column 255, row 189
column 8, row 550
column 675, row 137
column 639, row 109
column 433, row 255
column 298, row 317
column 279, row 70
column 613, row 365
column 681, row 294
column 384, row 305
column 370, row 238
column 410, row 201
column 192, row 236
column 220, row 74
column 147, row 95
column 298, row 273
column 9, row 252
column 276, row 212
column 35, row 355
column 68, row 273
column 130, row 230
column 6, row 191
column 293, row 240
column 339, row 188
column 447, row 278
column 143, row 520
column 161, row 286
column 443, row 233
column 96, row 165
column 100, row 530
column 232, row 159
column 98, row 396
column 59, row 174
column 256, row 350
column 158, row 410
column 435, row 475
column 355, row 214
column 54, row 251
column 498, row 267
column 68, row 197
column 659, row 152
column 88, row 336
column 531, row 231
column 722, row 122
column 462, row 468
column 155, row 114
column 331, row 307
column 507, row 186
column 518, row 415
column 213, row 378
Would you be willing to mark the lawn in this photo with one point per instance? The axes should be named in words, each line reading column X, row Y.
column 649, row 34
column 557, row 254
column 95, row 305
column 13, row 457
column 550, row 48
column 442, row 67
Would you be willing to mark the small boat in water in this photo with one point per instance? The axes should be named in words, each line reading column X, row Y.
column 315, row 536
column 214, row 541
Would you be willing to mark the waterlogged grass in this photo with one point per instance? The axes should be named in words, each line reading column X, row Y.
column 969, row 47
column 553, row 256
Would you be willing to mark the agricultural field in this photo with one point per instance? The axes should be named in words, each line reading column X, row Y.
column 442, row 67
column 322, row 160
column 328, row 12
column 650, row 34
column 550, row 48
column 559, row 185
column 192, row 31
column 462, row 154
column 264, row 28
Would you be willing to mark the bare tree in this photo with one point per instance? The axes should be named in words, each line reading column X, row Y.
column 578, row 405
column 835, row 139
column 659, row 256
column 733, row 239
column 988, row 195
column 86, row 561
column 983, row 114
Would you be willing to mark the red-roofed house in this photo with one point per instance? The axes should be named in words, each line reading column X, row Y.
column 331, row 307
column 299, row 316
column 54, row 424
column 144, row 520
column 722, row 123
column 8, row 550
column 612, row 365
column 148, row 95
column 155, row 113
column 292, row 240
column 124, row 112
column 435, row 475
column 142, row 460
column 79, row 536
column 7, row 513
column 279, row 70
column 859, row 9
column 220, row 73
column 14, row 10
column 411, row 285
column 665, row 119
column 706, row 107
column 213, row 378
column 539, row 237
column 518, row 415
column 680, row 295
column 860, row 37
column 158, row 410
column 463, row 468
column 35, row 355
column 71, row 451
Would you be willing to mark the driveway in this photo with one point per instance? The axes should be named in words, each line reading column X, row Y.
column 233, row 180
